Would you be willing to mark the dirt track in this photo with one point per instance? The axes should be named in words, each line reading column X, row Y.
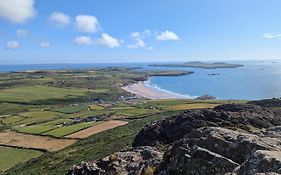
column 12, row 138
column 97, row 129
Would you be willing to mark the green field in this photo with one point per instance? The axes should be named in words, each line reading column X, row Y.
column 66, row 130
column 34, row 117
column 9, row 156
column 70, row 109
column 37, row 93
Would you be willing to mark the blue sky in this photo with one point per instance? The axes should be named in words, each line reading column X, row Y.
column 88, row 31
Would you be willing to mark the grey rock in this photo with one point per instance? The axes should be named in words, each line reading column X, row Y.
column 262, row 161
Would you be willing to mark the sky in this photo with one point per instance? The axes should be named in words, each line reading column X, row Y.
column 90, row 31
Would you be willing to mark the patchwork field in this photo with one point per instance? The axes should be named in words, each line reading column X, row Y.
column 97, row 129
column 12, row 156
column 34, row 93
column 11, row 138
column 66, row 130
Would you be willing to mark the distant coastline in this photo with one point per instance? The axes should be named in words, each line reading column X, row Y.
column 198, row 64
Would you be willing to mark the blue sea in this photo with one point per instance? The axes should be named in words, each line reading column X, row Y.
column 256, row 80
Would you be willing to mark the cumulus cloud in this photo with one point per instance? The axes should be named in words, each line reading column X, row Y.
column 108, row 41
column 60, row 19
column 83, row 40
column 17, row 11
column 271, row 35
column 12, row 45
column 139, row 44
column 145, row 34
column 167, row 35
column 139, row 38
column 87, row 23
column 22, row 33
column 44, row 44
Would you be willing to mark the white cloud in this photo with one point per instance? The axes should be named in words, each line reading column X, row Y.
column 83, row 40
column 44, row 44
column 87, row 23
column 167, row 35
column 17, row 11
column 145, row 34
column 21, row 33
column 139, row 44
column 12, row 45
column 271, row 35
column 108, row 41
column 60, row 19
column 139, row 38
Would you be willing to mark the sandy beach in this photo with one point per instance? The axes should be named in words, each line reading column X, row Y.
column 142, row 90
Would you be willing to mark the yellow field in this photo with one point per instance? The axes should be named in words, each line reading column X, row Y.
column 191, row 106
column 95, row 107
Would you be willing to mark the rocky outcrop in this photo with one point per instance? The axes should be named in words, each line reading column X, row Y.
column 244, row 116
column 262, row 161
column 275, row 102
column 142, row 160
column 232, row 139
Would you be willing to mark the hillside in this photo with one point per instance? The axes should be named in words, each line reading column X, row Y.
column 233, row 139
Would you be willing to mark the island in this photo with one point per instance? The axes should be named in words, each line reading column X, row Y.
column 199, row 64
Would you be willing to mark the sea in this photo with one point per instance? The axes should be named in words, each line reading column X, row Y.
column 256, row 80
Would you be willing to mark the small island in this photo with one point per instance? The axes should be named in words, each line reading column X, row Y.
column 199, row 64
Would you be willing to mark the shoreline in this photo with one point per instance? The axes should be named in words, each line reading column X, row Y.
column 142, row 89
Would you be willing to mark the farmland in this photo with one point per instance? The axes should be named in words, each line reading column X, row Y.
column 66, row 116
column 11, row 156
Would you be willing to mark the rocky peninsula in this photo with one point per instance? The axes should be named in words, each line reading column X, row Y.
column 199, row 64
column 231, row 139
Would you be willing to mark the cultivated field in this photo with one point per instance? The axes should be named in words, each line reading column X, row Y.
column 34, row 93
column 12, row 156
column 191, row 106
column 11, row 138
column 97, row 129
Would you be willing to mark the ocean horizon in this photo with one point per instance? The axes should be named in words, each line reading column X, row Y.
column 256, row 80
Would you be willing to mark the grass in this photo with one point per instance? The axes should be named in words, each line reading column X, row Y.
column 34, row 129
column 35, row 117
column 66, row 130
column 135, row 111
column 10, row 108
column 12, row 156
column 10, row 120
column 191, row 106
column 38, row 93
column 41, row 128
column 70, row 109
column 55, row 122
